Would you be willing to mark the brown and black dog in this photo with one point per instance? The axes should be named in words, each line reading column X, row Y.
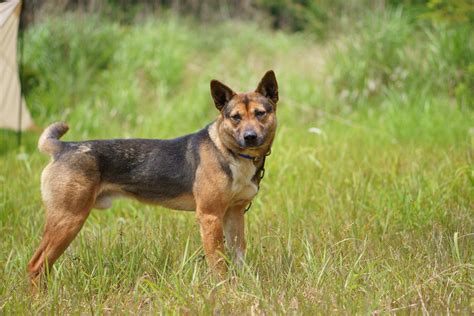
column 215, row 171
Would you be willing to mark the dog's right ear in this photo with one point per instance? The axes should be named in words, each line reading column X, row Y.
column 268, row 86
column 221, row 94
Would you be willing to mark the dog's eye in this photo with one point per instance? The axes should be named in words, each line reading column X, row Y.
column 236, row 117
column 260, row 114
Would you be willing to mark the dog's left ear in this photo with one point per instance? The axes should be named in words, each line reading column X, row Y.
column 268, row 86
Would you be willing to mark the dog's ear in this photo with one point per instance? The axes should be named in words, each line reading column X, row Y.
column 221, row 94
column 268, row 86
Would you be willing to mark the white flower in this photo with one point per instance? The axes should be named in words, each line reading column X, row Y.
column 316, row 130
column 372, row 85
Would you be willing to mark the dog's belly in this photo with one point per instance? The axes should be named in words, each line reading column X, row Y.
column 109, row 192
column 182, row 203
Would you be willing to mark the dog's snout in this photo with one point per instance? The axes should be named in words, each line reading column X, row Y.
column 250, row 135
column 250, row 138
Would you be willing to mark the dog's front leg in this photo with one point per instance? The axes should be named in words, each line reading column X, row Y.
column 234, row 227
column 211, row 225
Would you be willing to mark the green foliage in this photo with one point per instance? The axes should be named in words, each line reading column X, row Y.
column 450, row 58
column 81, row 64
column 63, row 59
column 451, row 11
column 296, row 15
column 373, row 57
column 391, row 51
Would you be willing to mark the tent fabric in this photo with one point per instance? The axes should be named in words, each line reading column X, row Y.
column 10, row 91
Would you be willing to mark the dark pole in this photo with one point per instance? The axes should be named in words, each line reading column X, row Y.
column 20, row 30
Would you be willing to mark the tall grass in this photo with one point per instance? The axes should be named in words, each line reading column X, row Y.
column 366, row 206
column 392, row 52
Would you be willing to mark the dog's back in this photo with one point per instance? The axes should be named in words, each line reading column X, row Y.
column 150, row 170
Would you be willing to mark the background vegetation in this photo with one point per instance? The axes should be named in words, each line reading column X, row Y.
column 367, row 202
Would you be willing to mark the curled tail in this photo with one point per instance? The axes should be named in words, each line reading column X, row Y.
column 49, row 142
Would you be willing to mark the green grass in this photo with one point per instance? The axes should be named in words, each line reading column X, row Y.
column 371, row 215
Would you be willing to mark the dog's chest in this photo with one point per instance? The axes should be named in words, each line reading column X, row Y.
column 243, row 188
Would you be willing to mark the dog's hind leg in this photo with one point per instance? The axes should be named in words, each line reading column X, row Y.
column 59, row 232
column 68, row 201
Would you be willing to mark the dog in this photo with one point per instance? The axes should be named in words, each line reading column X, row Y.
column 215, row 172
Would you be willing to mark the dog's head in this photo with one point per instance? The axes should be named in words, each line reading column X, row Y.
column 247, row 122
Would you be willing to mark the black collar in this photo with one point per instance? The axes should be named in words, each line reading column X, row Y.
column 253, row 158
column 248, row 157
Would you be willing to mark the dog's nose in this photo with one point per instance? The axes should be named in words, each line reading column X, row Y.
column 250, row 137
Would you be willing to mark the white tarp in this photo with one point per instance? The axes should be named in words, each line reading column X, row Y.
column 9, row 79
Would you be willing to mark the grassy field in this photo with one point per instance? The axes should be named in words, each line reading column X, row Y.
column 367, row 203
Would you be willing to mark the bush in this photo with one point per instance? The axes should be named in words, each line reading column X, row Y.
column 394, row 51
column 64, row 57
column 372, row 57
column 85, row 62
column 449, row 56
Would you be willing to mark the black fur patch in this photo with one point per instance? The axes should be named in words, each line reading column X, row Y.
column 151, row 169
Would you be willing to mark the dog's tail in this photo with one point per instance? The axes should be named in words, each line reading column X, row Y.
column 49, row 142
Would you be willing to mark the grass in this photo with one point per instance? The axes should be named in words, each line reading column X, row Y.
column 371, row 212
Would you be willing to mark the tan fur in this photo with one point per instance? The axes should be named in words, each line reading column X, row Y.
column 68, row 196
column 221, row 202
column 234, row 232
column 212, row 197
column 228, row 130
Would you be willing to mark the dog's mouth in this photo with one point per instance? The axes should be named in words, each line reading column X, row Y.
column 252, row 144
